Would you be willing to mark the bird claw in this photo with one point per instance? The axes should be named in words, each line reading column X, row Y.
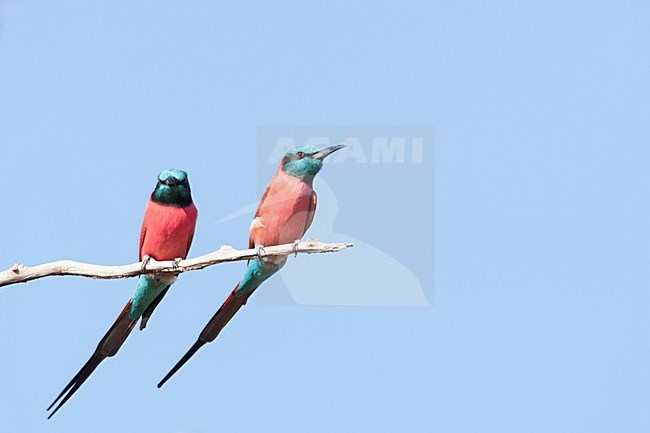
column 294, row 247
column 175, row 263
column 261, row 252
column 145, row 261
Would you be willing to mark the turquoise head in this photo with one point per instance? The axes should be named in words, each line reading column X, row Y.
column 172, row 189
column 305, row 162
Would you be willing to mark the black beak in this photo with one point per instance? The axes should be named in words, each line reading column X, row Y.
column 322, row 154
column 171, row 181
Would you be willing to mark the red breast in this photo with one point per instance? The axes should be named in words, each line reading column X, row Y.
column 282, row 214
column 169, row 231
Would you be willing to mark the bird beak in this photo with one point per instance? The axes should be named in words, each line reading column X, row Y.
column 171, row 181
column 322, row 154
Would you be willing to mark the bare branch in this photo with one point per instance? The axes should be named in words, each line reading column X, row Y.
column 20, row 273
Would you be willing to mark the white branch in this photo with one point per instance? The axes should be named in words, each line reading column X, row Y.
column 20, row 273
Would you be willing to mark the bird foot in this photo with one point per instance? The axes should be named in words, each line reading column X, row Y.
column 145, row 261
column 261, row 252
column 294, row 247
column 175, row 263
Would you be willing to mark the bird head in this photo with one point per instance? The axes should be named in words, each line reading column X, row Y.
column 305, row 162
column 172, row 189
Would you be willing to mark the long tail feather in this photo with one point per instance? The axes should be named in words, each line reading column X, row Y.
column 107, row 347
column 195, row 347
column 212, row 329
column 77, row 381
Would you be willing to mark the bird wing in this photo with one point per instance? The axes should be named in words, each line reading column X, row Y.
column 107, row 347
column 143, row 235
column 258, row 214
column 311, row 212
column 189, row 244
column 212, row 329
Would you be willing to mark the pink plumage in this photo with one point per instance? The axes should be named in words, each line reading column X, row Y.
column 167, row 231
column 285, row 211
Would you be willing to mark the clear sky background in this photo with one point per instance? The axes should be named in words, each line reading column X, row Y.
column 535, row 229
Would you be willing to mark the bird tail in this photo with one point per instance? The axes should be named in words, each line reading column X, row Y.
column 221, row 318
column 107, row 347
column 149, row 311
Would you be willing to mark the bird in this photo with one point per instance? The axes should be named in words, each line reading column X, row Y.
column 166, row 234
column 283, row 215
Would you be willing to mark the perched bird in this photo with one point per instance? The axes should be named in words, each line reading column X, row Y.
column 166, row 234
column 283, row 216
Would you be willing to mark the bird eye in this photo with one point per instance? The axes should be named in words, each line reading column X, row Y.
column 300, row 154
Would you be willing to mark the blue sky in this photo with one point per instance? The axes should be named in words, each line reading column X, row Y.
column 525, row 224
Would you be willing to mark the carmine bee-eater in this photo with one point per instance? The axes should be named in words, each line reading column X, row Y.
column 283, row 216
column 167, row 231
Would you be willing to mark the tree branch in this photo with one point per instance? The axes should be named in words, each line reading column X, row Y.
column 20, row 273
